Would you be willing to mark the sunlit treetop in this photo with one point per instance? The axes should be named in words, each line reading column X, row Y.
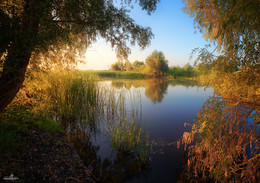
column 156, row 63
column 233, row 25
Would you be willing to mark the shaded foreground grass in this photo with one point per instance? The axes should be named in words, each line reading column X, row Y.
column 33, row 146
column 35, row 150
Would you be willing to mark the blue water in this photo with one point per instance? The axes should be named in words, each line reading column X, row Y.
column 165, row 107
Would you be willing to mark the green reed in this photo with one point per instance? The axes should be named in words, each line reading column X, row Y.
column 129, row 137
column 72, row 96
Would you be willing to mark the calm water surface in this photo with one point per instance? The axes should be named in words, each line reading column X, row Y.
column 163, row 108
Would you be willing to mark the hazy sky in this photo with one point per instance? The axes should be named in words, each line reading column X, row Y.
column 174, row 35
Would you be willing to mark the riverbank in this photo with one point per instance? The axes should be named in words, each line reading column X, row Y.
column 105, row 74
column 44, row 157
column 116, row 74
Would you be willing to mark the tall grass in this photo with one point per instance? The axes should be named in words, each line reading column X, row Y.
column 77, row 100
column 73, row 97
column 129, row 137
column 66, row 96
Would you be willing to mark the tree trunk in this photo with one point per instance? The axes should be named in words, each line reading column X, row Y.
column 19, row 53
column 13, row 74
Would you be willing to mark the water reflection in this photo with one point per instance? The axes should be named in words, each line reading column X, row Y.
column 155, row 89
column 164, row 107
column 119, row 168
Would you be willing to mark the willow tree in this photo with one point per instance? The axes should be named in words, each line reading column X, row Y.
column 33, row 29
column 233, row 25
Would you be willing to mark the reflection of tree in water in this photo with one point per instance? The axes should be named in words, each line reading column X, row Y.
column 118, row 84
column 121, row 169
column 122, row 84
column 184, row 82
column 154, row 88
column 227, row 146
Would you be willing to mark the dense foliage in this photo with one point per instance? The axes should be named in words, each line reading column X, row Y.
column 233, row 25
column 156, row 64
column 120, row 66
column 138, row 66
column 227, row 129
column 187, row 71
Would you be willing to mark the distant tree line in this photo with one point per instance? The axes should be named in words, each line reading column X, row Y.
column 155, row 65
column 186, row 71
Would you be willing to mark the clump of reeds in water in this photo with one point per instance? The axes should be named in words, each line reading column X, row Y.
column 227, row 145
column 129, row 137
column 73, row 96
column 119, row 102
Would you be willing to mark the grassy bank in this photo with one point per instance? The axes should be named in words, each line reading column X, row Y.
column 172, row 73
column 30, row 140
column 117, row 74
column 34, row 148
column 73, row 99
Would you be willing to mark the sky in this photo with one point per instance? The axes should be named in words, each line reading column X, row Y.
column 174, row 35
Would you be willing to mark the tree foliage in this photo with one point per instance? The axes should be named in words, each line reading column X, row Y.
column 128, row 66
column 233, row 25
column 61, row 28
column 186, row 71
column 138, row 66
column 156, row 63
column 118, row 66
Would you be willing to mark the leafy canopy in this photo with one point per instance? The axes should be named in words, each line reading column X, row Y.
column 70, row 26
column 156, row 63
column 138, row 66
column 233, row 25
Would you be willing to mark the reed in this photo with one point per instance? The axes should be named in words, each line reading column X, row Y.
column 72, row 96
column 129, row 137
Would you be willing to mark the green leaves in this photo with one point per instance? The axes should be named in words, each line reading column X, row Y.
column 156, row 63
column 74, row 25
column 232, row 25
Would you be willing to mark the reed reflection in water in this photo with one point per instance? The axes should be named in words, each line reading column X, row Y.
column 159, row 108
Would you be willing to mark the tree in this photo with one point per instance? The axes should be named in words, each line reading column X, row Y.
column 118, row 66
column 187, row 67
column 34, row 29
column 128, row 66
column 156, row 63
column 115, row 67
column 232, row 24
column 138, row 66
